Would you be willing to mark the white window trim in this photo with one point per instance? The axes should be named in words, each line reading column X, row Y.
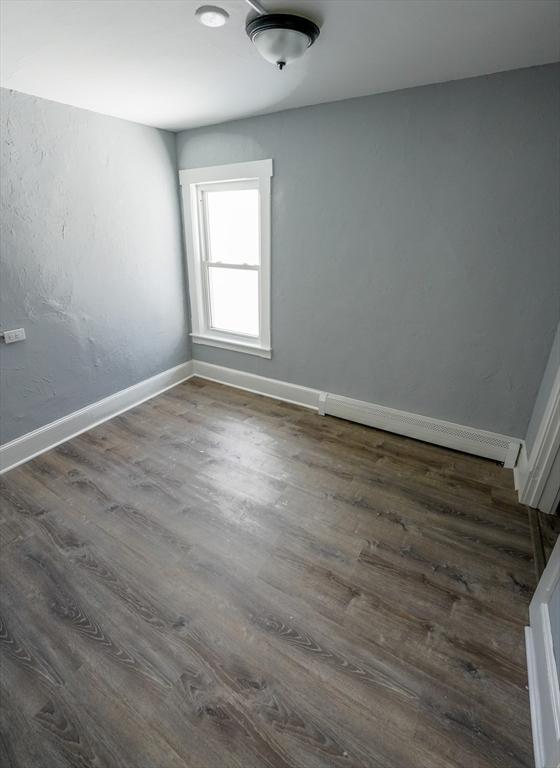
column 190, row 179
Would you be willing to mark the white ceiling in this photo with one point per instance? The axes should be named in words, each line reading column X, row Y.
column 152, row 62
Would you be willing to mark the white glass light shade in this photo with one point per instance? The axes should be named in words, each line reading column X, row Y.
column 281, row 46
column 282, row 37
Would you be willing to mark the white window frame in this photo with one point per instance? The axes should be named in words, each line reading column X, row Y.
column 194, row 181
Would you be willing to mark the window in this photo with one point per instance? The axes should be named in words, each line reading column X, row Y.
column 227, row 228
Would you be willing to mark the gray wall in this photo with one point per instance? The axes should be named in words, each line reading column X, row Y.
column 545, row 391
column 415, row 244
column 91, row 261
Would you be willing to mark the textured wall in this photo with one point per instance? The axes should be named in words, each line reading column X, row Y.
column 415, row 242
column 91, row 261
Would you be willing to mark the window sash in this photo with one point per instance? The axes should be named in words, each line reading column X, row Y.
column 207, row 305
column 227, row 265
column 205, row 250
column 203, row 217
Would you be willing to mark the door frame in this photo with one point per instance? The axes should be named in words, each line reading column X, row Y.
column 534, row 471
column 544, row 687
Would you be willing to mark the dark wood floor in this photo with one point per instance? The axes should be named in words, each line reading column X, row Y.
column 218, row 579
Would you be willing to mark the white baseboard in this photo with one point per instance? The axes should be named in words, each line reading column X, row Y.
column 456, row 436
column 40, row 440
column 250, row 382
column 447, row 434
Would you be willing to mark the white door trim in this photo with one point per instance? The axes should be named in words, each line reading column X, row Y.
column 544, row 689
column 533, row 470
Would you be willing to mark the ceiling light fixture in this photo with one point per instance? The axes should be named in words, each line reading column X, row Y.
column 211, row 16
column 281, row 37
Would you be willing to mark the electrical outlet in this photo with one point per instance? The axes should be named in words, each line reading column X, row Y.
column 18, row 334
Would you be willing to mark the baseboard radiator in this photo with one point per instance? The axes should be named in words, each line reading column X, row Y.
column 449, row 435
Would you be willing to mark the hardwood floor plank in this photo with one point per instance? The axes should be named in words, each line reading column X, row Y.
column 218, row 579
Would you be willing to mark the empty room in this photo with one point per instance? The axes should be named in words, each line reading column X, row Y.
column 280, row 384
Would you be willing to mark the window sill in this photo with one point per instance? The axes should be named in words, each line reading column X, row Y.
column 233, row 346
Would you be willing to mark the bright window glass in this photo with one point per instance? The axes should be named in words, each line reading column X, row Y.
column 233, row 226
column 234, row 300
